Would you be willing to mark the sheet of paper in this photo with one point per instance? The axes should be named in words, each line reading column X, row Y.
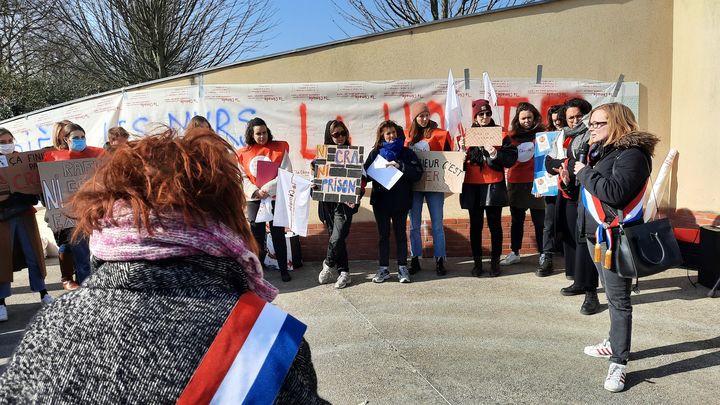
column 387, row 176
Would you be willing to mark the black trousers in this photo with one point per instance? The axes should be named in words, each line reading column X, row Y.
column 549, row 225
column 338, row 218
column 494, row 215
column 517, row 226
column 383, row 216
column 277, row 233
column 586, row 274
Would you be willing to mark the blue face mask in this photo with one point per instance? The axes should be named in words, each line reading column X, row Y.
column 78, row 145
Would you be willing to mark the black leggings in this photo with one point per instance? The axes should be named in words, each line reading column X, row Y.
column 384, row 215
column 494, row 215
column 277, row 233
column 517, row 227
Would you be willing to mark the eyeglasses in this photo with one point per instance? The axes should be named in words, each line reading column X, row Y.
column 338, row 134
column 485, row 114
column 597, row 125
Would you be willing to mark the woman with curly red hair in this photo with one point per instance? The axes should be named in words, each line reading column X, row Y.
column 174, row 262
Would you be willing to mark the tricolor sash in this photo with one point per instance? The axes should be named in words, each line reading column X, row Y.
column 249, row 358
column 631, row 213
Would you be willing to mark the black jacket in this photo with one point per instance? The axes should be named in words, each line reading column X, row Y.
column 400, row 195
column 631, row 157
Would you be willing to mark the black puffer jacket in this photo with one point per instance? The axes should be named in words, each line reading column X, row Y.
column 631, row 157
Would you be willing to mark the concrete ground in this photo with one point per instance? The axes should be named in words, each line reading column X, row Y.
column 463, row 340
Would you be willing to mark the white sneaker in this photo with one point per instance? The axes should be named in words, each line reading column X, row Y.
column 601, row 349
column 403, row 274
column 47, row 299
column 615, row 380
column 326, row 274
column 511, row 258
column 381, row 275
column 3, row 313
column 343, row 280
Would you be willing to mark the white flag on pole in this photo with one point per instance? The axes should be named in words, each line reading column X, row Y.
column 453, row 110
column 490, row 95
column 292, row 204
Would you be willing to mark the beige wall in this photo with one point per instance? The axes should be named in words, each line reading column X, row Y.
column 695, row 97
column 572, row 39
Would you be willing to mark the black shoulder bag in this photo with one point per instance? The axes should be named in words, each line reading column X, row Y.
column 645, row 249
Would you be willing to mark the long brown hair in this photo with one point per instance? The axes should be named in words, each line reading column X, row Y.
column 196, row 175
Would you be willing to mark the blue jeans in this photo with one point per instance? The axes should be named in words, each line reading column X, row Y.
column 18, row 230
column 81, row 258
column 435, row 203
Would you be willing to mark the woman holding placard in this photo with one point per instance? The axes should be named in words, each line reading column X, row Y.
column 261, row 187
column 77, row 148
column 484, row 191
column 393, row 169
column 423, row 136
column 337, row 218
column 19, row 237
column 526, row 123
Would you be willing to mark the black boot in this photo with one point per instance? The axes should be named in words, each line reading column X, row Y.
column 591, row 305
column 494, row 267
column 572, row 289
column 546, row 265
column 285, row 275
column 414, row 265
column 440, row 267
column 477, row 270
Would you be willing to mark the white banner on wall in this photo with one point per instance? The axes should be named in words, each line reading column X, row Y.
column 297, row 112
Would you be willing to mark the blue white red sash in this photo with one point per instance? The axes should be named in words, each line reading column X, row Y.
column 631, row 213
column 249, row 358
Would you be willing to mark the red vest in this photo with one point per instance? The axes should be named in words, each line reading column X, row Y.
column 523, row 171
column 66, row 154
column 273, row 151
column 437, row 140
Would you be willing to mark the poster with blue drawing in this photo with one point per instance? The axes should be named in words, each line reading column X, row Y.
column 547, row 144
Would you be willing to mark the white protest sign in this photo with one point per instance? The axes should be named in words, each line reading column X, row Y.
column 292, row 204
column 387, row 176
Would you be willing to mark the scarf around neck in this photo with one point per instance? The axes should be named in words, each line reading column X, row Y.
column 391, row 150
column 120, row 240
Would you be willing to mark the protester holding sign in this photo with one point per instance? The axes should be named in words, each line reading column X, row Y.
column 337, row 217
column 424, row 135
column 614, row 179
column 76, row 149
column 392, row 205
column 526, row 123
column 20, row 244
column 484, row 191
column 578, row 263
column 177, row 299
column 262, row 148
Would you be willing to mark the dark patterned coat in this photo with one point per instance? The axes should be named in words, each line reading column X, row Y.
column 135, row 333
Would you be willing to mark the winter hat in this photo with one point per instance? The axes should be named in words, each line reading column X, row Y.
column 418, row 108
column 480, row 105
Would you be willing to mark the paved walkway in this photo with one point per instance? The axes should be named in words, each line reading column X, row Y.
column 462, row 340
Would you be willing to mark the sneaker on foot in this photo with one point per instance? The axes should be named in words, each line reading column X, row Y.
column 615, row 380
column 326, row 274
column 47, row 299
column 601, row 349
column 3, row 313
column 343, row 280
column 511, row 258
column 403, row 274
column 381, row 275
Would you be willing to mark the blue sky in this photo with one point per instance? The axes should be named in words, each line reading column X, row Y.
column 302, row 23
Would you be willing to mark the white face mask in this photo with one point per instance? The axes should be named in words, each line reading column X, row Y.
column 7, row 148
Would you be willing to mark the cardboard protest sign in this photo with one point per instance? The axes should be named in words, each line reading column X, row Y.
column 442, row 171
column 483, row 136
column 19, row 173
column 546, row 144
column 59, row 181
column 338, row 173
